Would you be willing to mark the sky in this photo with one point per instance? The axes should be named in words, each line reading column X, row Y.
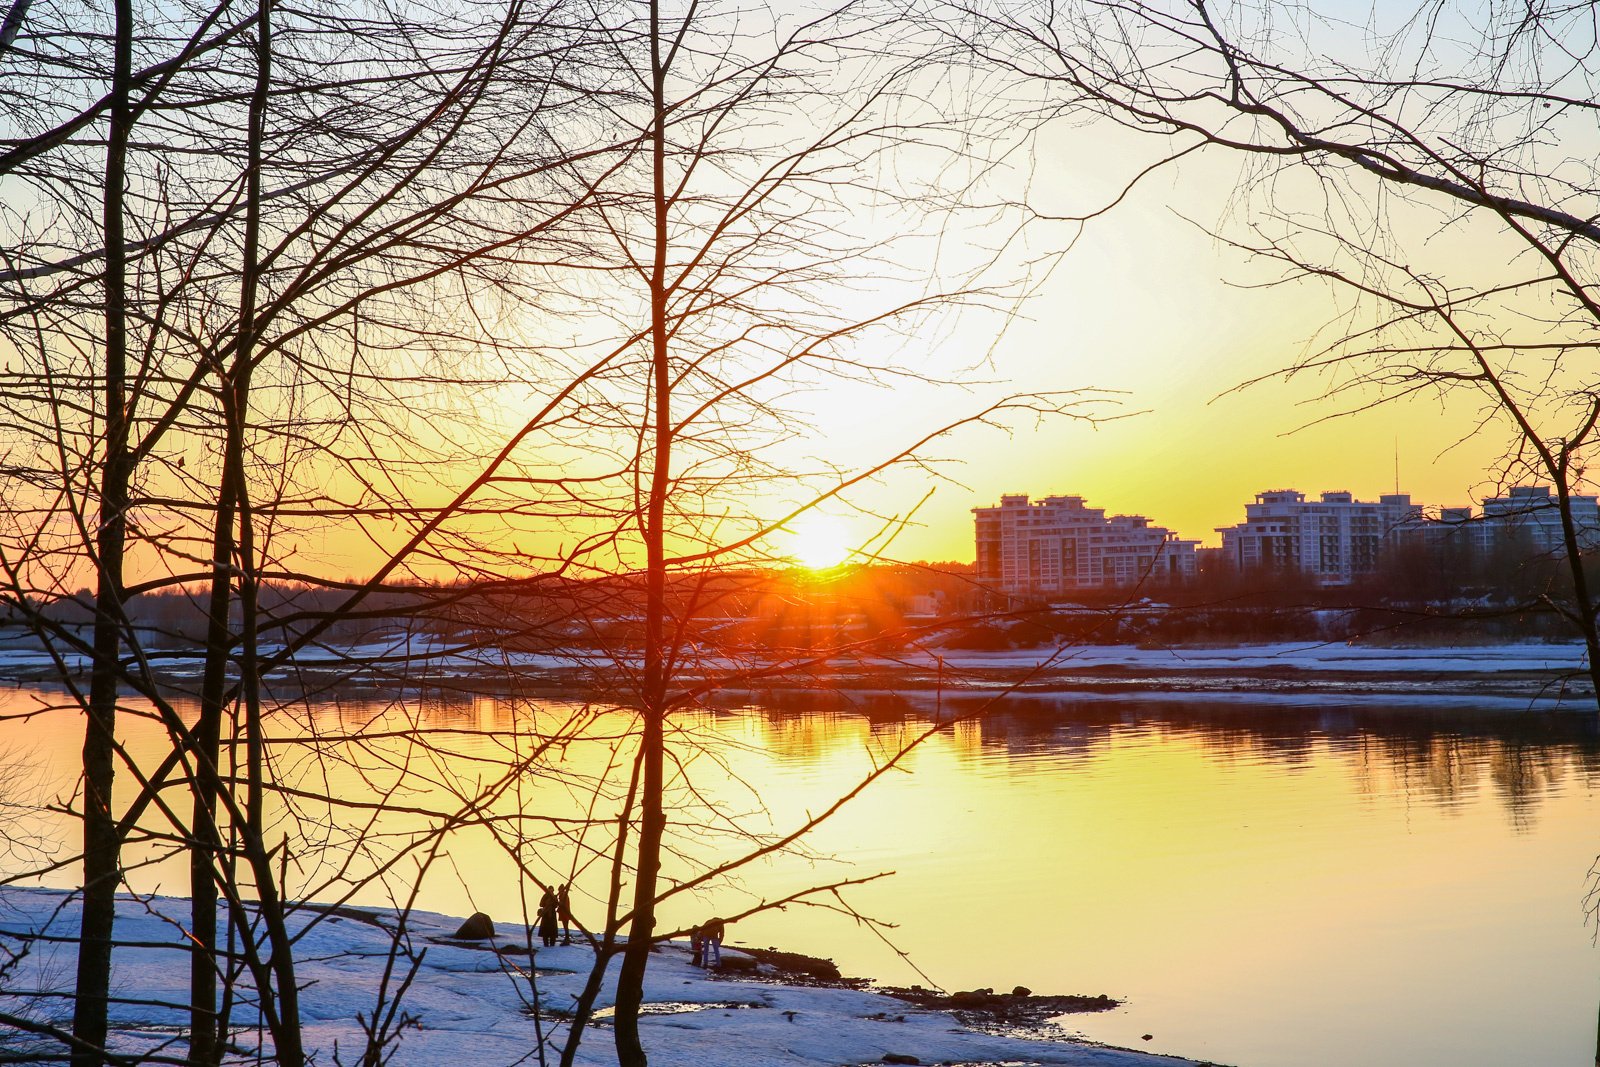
column 1149, row 321
column 1157, row 326
column 1152, row 327
column 1163, row 320
column 1154, row 306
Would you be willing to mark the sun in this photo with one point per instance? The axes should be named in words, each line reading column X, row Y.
column 817, row 542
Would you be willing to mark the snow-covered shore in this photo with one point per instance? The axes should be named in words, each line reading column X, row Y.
column 470, row 1000
column 1549, row 673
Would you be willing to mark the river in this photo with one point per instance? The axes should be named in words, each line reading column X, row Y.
column 1267, row 886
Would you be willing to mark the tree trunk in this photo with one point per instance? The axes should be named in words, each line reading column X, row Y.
column 101, row 844
column 235, row 390
column 1584, row 606
column 652, row 817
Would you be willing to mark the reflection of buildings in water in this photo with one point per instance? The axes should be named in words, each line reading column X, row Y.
column 1444, row 770
column 1441, row 756
column 966, row 737
column 1513, row 763
column 891, row 735
column 1451, row 770
column 1444, row 757
column 1525, row 774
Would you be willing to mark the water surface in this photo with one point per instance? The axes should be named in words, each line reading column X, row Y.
column 1269, row 887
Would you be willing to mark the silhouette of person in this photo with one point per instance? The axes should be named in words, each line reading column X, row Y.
column 548, row 907
column 713, row 931
column 697, row 942
column 564, row 910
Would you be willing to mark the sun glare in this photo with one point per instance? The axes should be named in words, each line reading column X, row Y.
column 818, row 542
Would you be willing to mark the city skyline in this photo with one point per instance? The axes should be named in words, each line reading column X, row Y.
column 1058, row 544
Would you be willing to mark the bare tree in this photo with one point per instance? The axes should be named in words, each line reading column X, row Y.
column 779, row 161
column 689, row 202
column 1419, row 166
column 363, row 212
column 100, row 843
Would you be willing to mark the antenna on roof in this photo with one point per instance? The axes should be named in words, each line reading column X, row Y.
column 1397, row 464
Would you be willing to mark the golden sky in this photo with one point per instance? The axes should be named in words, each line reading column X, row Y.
column 1149, row 305
column 1142, row 308
column 1158, row 319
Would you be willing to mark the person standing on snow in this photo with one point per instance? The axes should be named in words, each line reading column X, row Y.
column 713, row 933
column 548, row 907
column 564, row 910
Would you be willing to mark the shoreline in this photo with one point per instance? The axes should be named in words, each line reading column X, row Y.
column 1021, row 1008
column 472, row 1004
column 1539, row 675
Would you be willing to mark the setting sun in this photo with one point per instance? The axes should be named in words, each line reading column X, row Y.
column 818, row 542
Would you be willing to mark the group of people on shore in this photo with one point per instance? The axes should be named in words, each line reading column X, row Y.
column 556, row 922
column 555, row 916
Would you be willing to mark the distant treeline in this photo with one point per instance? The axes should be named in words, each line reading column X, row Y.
column 178, row 617
column 549, row 612
column 882, row 607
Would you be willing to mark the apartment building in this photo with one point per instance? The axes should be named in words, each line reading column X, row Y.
column 1058, row 544
column 1335, row 539
column 1527, row 518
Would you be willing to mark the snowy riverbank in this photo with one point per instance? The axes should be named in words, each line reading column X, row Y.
column 1551, row 674
column 470, row 1000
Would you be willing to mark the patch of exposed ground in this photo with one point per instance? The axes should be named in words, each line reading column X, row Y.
column 790, row 968
column 984, row 1007
column 1018, row 1011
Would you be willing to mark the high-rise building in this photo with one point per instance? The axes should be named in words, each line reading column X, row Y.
column 1334, row 540
column 1527, row 518
column 1057, row 545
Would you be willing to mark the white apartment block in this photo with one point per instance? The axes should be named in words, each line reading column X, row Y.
column 1057, row 545
column 1527, row 518
column 1335, row 539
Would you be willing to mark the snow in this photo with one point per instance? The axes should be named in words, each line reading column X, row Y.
column 1302, row 656
column 439, row 657
column 470, row 1001
column 1468, row 659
